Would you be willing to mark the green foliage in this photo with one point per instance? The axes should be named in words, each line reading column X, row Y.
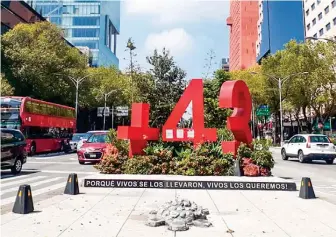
column 224, row 135
column 244, row 151
column 214, row 116
column 262, row 144
column 37, row 61
column 263, row 158
column 121, row 145
column 168, row 87
column 6, row 88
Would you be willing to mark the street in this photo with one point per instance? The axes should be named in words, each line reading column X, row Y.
column 46, row 174
column 323, row 176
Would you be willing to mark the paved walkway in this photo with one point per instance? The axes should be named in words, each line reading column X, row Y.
column 102, row 212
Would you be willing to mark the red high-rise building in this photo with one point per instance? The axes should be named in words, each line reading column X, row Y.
column 243, row 20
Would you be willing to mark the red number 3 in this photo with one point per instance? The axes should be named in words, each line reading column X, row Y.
column 236, row 95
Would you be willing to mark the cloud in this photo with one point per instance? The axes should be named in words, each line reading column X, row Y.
column 177, row 40
column 172, row 11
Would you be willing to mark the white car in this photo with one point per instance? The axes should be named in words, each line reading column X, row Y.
column 308, row 147
column 81, row 142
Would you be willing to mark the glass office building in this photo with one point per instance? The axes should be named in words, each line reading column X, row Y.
column 94, row 24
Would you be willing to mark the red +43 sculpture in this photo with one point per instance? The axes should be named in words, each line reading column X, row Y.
column 233, row 94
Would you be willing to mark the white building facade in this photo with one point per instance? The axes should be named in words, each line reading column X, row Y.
column 320, row 18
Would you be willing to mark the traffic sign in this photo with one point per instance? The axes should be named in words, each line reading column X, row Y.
column 100, row 111
column 122, row 111
column 263, row 110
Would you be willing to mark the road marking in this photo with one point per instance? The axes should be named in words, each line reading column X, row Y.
column 9, row 200
column 21, row 181
column 53, row 162
column 10, row 177
column 32, row 185
column 68, row 172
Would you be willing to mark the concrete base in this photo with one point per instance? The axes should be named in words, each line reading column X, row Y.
column 124, row 212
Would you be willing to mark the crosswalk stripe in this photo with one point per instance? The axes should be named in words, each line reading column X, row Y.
column 10, row 177
column 31, row 185
column 9, row 200
column 26, row 181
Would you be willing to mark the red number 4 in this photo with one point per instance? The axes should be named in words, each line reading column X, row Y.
column 233, row 94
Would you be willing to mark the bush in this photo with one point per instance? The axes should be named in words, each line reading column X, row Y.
column 244, row 151
column 263, row 158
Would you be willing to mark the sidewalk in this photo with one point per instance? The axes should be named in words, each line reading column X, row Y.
column 102, row 212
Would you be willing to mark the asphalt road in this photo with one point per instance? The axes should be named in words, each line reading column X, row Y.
column 46, row 174
column 322, row 175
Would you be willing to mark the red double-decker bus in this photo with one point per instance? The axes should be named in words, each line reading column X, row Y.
column 46, row 126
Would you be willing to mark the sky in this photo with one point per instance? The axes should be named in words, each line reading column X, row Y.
column 188, row 28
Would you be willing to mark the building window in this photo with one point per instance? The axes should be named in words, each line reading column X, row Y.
column 328, row 26
column 85, row 21
column 89, row 44
column 321, row 32
column 333, row 4
column 315, row 35
column 313, row 6
column 308, row 26
column 326, row 10
column 85, row 33
column 320, row 16
column 314, row 21
column 307, row 12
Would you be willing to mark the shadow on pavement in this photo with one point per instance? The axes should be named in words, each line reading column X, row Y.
column 45, row 155
column 7, row 173
column 315, row 162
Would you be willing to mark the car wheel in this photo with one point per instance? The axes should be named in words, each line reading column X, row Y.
column 81, row 162
column 283, row 154
column 16, row 169
column 301, row 157
column 330, row 162
column 32, row 150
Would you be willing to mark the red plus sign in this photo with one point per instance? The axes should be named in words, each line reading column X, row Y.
column 139, row 132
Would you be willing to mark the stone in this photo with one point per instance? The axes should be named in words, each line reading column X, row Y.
column 153, row 212
column 174, row 214
column 183, row 214
column 202, row 223
column 180, row 208
column 193, row 207
column 186, row 203
column 178, row 225
column 205, row 211
column 155, row 222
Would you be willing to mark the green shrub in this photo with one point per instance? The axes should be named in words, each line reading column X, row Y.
column 224, row 135
column 263, row 158
column 262, row 144
column 244, row 151
column 121, row 145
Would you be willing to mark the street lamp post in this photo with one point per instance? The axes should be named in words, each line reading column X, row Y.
column 76, row 82
column 280, row 81
column 105, row 98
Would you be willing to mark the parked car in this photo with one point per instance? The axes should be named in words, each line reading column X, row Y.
column 93, row 149
column 13, row 152
column 308, row 147
column 88, row 134
column 76, row 138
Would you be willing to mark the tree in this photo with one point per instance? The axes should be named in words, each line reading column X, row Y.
column 36, row 61
column 6, row 88
column 210, row 62
column 169, row 84
column 214, row 116
column 316, row 90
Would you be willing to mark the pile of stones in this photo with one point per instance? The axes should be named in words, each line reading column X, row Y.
column 179, row 215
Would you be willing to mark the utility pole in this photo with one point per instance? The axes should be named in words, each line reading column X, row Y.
column 280, row 81
column 105, row 98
